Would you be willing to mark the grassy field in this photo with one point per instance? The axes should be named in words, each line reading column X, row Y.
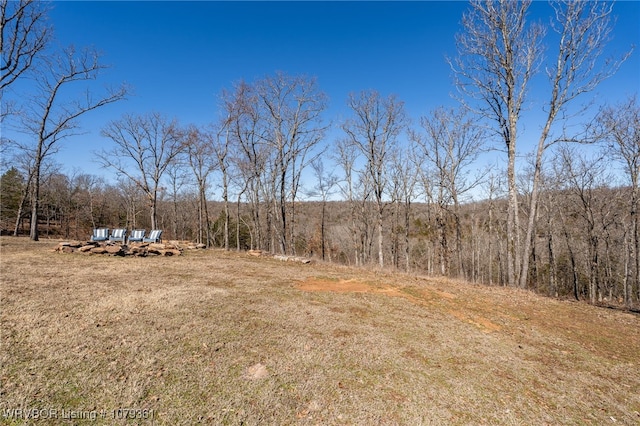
column 223, row 338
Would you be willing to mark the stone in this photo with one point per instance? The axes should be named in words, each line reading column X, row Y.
column 256, row 371
column 115, row 250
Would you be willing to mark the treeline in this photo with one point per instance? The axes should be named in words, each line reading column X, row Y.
column 556, row 220
column 583, row 247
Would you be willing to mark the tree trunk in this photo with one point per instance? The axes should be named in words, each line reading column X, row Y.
column 407, row 222
column 380, row 238
column 594, row 282
column 636, row 238
column 572, row 258
column 227, row 214
column 21, row 208
column 456, row 217
column 238, row 224
column 35, row 194
column 553, row 286
column 322, row 236
column 513, row 224
column 444, row 246
column 626, row 284
column 153, row 198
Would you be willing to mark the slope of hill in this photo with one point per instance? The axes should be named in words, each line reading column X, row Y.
column 223, row 338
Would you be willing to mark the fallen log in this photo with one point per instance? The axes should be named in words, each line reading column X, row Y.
column 298, row 259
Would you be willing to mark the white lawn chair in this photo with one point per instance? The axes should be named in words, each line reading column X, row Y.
column 119, row 234
column 100, row 234
column 137, row 236
column 154, row 236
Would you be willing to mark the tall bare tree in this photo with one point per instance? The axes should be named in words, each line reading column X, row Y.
column 404, row 178
column 249, row 154
column 176, row 184
column 325, row 181
column 49, row 118
column 219, row 139
column 271, row 128
column 451, row 143
column 584, row 177
column 145, row 145
column 345, row 155
column 200, row 156
column 291, row 109
column 499, row 52
column 373, row 129
column 620, row 127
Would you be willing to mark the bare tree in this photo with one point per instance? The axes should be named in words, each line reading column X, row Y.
column 345, row 156
column 451, row 143
column 291, row 110
column 404, row 178
column 249, row 154
column 221, row 146
column 584, row 177
column 201, row 159
column 620, row 127
column 325, row 181
column 177, row 181
column 270, row 129
column 497, row 57
column 373, row 129
column 134, row 200
column 86, row 186
column 25, row 164
column 145, row 145
column 499, row 53
column 50, row 119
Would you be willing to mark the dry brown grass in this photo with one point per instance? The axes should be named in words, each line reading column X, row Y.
column 224, row 338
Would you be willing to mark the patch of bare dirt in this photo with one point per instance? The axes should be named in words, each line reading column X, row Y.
column 340, row 286
column 426, row 297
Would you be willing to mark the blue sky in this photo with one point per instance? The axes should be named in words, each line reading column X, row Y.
column 178, row 56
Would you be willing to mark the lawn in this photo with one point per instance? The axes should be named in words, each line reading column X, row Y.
column 213, row 337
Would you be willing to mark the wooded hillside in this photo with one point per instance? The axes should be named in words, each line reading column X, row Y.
column 583, row 247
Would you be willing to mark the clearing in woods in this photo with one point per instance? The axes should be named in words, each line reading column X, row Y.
column 212, row 337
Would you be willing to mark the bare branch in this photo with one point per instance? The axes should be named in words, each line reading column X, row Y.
column 151, row 143
column 24, row 36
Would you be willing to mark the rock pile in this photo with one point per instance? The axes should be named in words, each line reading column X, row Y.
column 173, row 248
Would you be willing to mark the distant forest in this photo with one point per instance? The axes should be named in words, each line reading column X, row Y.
column 584, row 238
